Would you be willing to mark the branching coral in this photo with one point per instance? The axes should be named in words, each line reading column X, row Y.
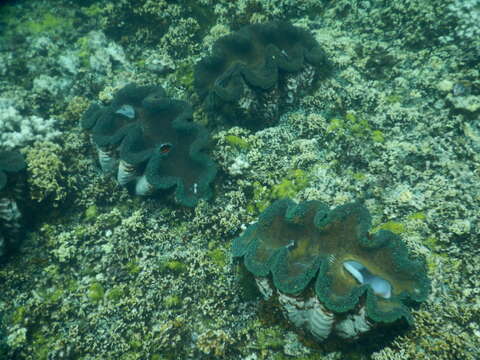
column 17, row 130
column 47, row 179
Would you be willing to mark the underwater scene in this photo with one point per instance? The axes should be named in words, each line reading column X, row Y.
column 239, row 180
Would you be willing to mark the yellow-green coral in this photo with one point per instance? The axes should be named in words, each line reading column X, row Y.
column 218, row 257
column 174, row 266
column 356, row 126
column 172, row 301
column 46, row 172
column 48, row 22
column 184, row 74
column 295, row 181
column 75, row 108
column 417, row 216
column 91, row 213
column 96, row 292
column 393, row 226
column 237, row 141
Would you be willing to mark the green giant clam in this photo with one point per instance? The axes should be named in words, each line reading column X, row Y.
column 150, row 143
column 329, row 275
column 254, row 72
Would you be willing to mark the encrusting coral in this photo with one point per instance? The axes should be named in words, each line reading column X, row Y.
column 327, row 272
column 255, row 71
column 11, row 164
column 150, row 141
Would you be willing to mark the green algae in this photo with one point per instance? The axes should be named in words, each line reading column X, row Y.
column 377, row 136
column 185, row 75
column 295, row 181
column 444, row 335
column 237, row 141
column 417, row 216
column 19, row 315
column 93, row 10
column 84, row 51
column 432, row 243
column 172, row 301
column 48, row 22
column 358, row 127
column 174, row 266
column 270, row 338
column 115, row 294
column 394, row 98
column 260, row 198
column 91, row 213
column 218, row 257
column 133, row 267
column 393, row 226
column 96, row 292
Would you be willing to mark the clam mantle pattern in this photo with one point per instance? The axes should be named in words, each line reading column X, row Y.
column 254, row 72
column 151, row 143
column 327, row 272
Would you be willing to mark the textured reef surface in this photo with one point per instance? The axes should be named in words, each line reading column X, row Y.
column 11, row 165
column 327, row 102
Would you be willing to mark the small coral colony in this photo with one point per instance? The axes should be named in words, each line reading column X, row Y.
column 327, row 273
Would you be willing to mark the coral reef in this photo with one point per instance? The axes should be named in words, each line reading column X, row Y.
column 150, row 141
column 3, row 340
column 17, row 130
column 467, row 29
column 46, row 171
column 254, row 72
column 11, row 165
column 363, row 280
column 397, row 125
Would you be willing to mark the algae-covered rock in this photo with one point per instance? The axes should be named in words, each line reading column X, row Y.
column 255, row 71
column 151, row 143
column 328, row 273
